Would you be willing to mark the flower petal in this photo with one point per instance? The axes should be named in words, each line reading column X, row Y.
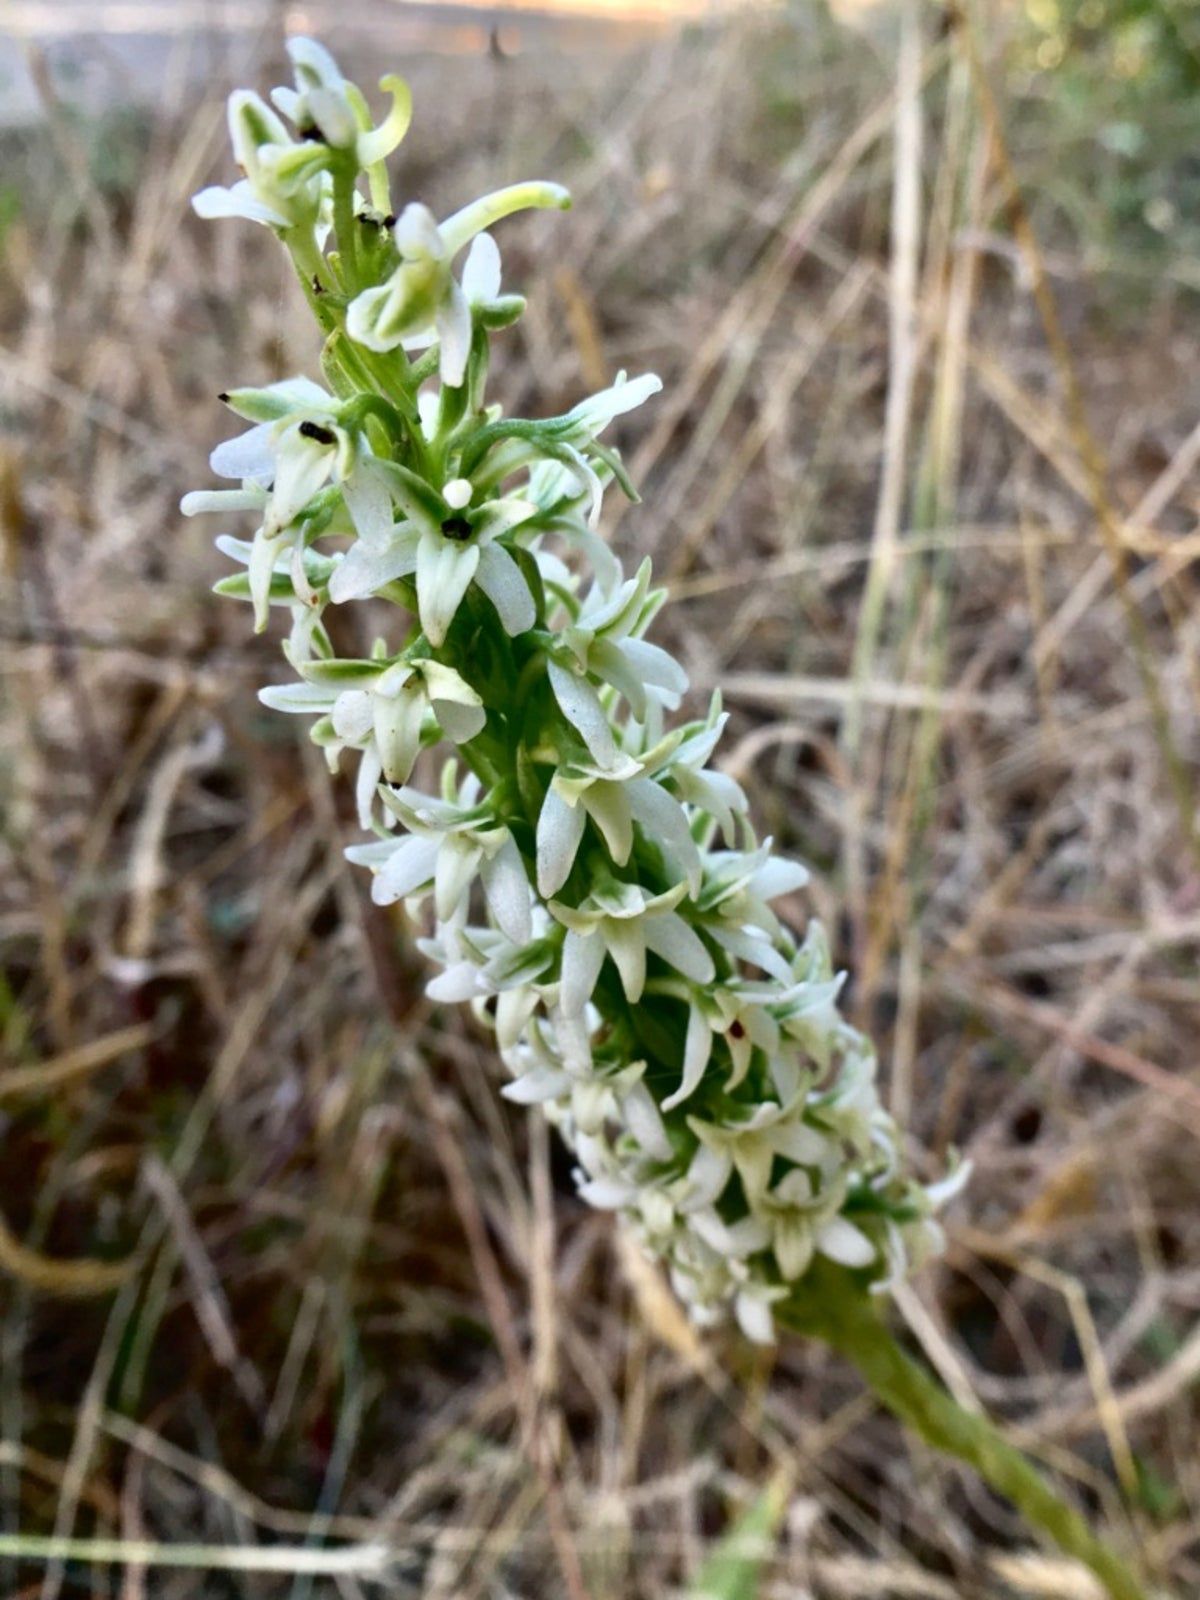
column 249, row 455
column 370, row 506
column 365, row 569
column 582, row 958
column 481, row 270
column 608, row 806
column 581, row 706
column 397, row 723
column 444, row 572
column 842, row 1242
column 696, row 1051
column 500, row 578
column 670, row 937
column 454, row 335
column 626, row 940
column 507, row 889
column 559, row 830
column 410, row 866
column 665, row 823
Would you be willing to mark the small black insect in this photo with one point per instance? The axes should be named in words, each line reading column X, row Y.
column 314, row 430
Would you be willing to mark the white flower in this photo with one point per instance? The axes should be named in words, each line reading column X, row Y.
column 750, row 1144
column 590, row 1099
column 422, row 300
column 324, row 104
column 379, row 708
column 615, row 798
column 482, row 966
column 448, row 546
column 623, row 921
column 568, row 442
column 297, row 445
column 734, row 909
column 805, row 1220
column 450, row 841
column 715, row 793
column 605, row 641
column 285, row 184
column 752, row 1308
column 735, row 1011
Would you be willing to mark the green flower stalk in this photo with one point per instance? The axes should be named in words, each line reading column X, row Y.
column 585, row 879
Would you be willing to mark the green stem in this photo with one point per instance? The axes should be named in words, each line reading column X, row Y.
column 345, row 224
column 841, row 1315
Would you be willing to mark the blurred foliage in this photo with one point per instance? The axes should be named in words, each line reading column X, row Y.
column 735, row 1567
column 1110, row 127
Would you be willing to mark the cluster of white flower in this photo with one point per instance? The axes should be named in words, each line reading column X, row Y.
column 597, row 891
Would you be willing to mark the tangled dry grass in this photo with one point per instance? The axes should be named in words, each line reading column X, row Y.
column 283, row 1277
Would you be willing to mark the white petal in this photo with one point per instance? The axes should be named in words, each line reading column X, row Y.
column 696, row 1051
column 200, row 501
column 608, row 807
column 417, row 235
column 645, row 1124
column 627, row 940
column 249, row 455
column 353, row 714
column 238, row 201
column 507, row 891
column 607, row 1194
column 777, row 876
column 303, row 467
column 500, row 578
column 444, row 572
column 454, row 335
column 410, row 866
column 582, row 958
column 793, row 1245
column 397, row 724
column 462, row 981
column 559, row 830
column 459, row 722
column 665, row 823
column 595, row 413
column 457, row 859
column 367, row 318
column 261, row 570
column 657, row 669
column 707, row 1176
column 841, row 1241
column 481, row 271
column 365, row 569
column 370, row 506
column 800, row 1143
column 536, row 1087
column 670, row 937
column 581, row 706
column 313, row 698
column 754, row 1317
column 607, row 660
column 370, row 771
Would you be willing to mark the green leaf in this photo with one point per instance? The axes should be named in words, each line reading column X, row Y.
column 734, row 1569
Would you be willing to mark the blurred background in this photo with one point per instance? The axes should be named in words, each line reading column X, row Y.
column 281, row 1276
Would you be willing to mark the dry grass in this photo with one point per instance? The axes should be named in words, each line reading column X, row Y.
column 282, row 1272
